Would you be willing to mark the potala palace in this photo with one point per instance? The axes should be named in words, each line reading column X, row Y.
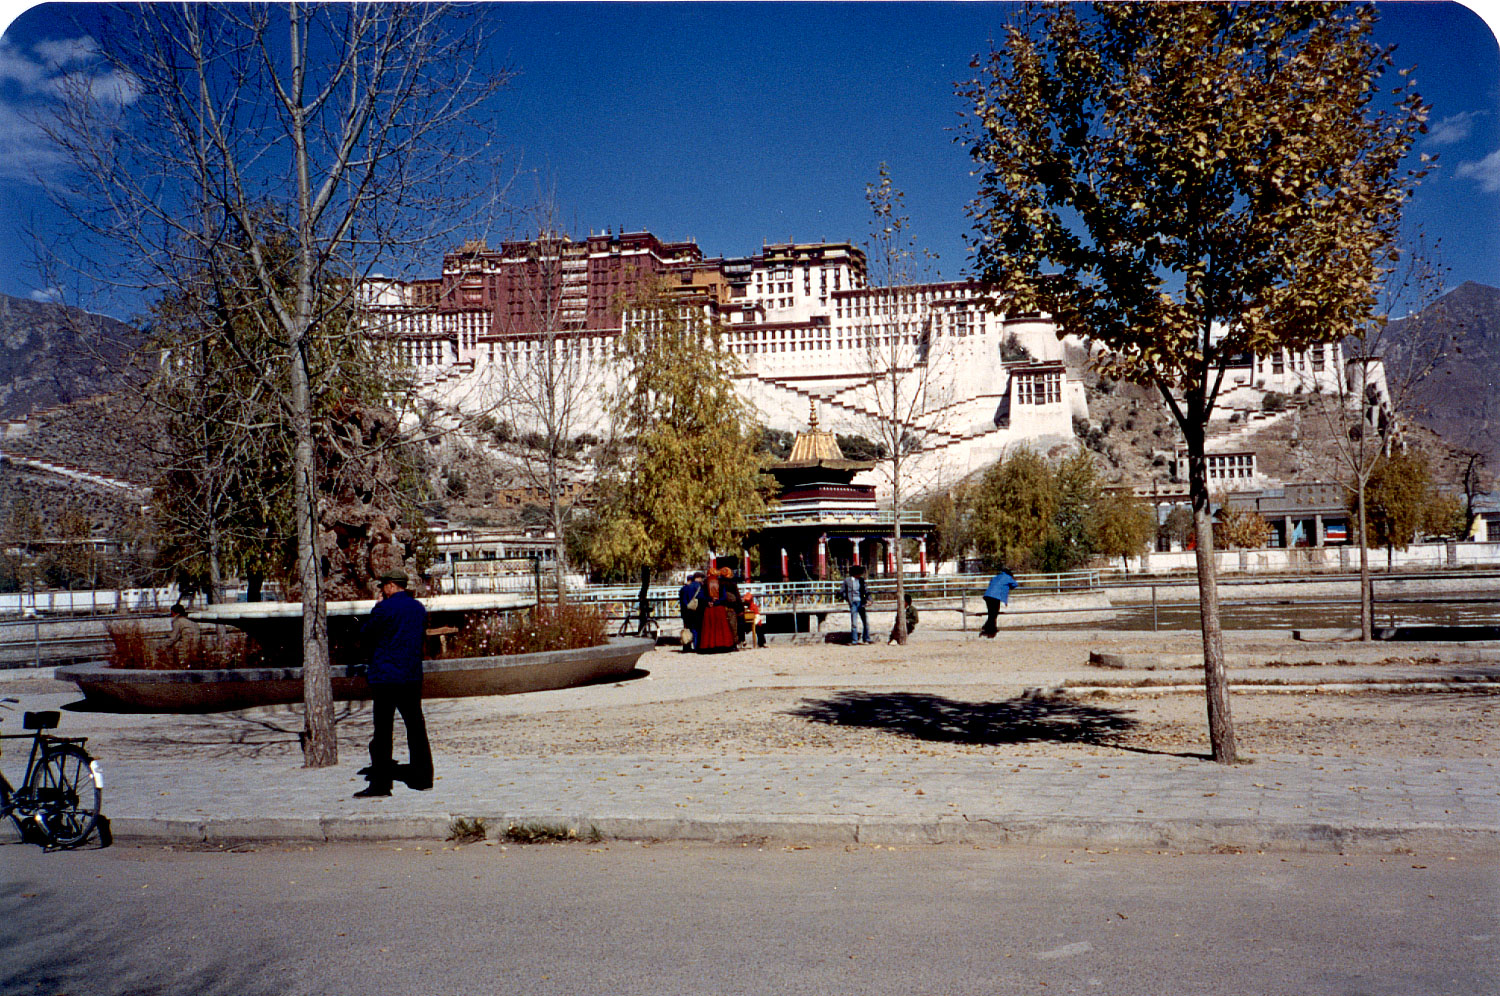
column 807, row 329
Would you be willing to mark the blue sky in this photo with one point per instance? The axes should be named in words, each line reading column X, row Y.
column 738, row 124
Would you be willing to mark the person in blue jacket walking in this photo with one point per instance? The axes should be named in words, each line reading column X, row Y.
column 996, row 594
column 393, row 637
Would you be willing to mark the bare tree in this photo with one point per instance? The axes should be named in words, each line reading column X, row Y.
column 1379, row 386
column 344, row 124
column 900, row 358
column 547, row 394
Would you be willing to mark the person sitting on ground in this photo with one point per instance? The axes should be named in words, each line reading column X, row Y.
column 911, row 621
column 751, row 633
column 182, row 639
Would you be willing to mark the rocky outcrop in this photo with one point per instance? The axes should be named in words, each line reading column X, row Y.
column 362, row 531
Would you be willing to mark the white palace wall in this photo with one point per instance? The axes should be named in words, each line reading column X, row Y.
column 942, row 338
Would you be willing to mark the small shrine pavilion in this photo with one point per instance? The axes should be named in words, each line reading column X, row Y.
column 824, row 523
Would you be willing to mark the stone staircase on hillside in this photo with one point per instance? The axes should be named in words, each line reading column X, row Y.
column 937, row 437
column 76, row 473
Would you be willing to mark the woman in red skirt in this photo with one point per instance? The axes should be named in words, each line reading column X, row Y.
column 720, row 619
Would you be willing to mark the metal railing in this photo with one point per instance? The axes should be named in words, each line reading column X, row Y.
column 883, row 517
column 828, row 592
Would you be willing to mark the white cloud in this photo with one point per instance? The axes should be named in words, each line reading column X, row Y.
column 39, row 76
column 112, row 88
column 1486, row 171
column 67, row 52
column 20, row 68
column 24, row 148
column 1454, row 128
column 50, row 295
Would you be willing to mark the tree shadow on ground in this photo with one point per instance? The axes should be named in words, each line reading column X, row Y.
column 263, row 731
column 1028, row 718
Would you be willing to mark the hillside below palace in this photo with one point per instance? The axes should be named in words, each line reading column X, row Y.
column 807, row 329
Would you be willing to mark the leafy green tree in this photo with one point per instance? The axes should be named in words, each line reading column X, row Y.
column 1240, row 528
column 24, row 531
column 1185, row 184
column 1445, row 515
column 1078, row 496
column 1013, row 512
column 1121, row 525
column 686, row 477
column 1397, row 495
column 1178, row 526
column 73, row 561
column 948, row 511
column 225, row 497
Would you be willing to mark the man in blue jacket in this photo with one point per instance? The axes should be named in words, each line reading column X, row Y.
column 996, row 594
column 393, row 637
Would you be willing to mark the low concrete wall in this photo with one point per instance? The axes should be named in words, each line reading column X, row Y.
column 1387, row 587
column 1344, row 558
column 122, row 690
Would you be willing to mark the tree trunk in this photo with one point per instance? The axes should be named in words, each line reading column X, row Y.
column 897, row 558
column 319, row 743
column 645, row 604
column 1215, row 684
column 1366, row 584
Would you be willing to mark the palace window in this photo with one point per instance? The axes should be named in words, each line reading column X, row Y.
column 1230, row 466
column 1038, row 388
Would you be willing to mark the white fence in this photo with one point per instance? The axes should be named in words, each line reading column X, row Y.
column 87, row 602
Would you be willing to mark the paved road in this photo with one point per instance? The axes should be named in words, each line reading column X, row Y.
column 680, row 919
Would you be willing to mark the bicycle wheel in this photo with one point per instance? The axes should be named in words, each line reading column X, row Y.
column 67, row 797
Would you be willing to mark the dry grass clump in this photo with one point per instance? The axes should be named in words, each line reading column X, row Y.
column 569, row 626
column 133, row 648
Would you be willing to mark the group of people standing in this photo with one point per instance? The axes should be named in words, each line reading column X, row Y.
column 716, row 615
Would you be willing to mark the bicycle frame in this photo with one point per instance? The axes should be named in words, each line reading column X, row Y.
column 10, row 795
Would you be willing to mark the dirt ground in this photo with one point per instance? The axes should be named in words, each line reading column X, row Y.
column 938, row 698
column 942, row 722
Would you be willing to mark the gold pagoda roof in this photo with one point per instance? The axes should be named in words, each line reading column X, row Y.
column 820, row 447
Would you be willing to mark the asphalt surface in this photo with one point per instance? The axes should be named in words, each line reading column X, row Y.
column 627, row 918
column 1138, row 800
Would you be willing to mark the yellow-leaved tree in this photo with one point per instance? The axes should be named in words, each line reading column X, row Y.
column 1186, row 184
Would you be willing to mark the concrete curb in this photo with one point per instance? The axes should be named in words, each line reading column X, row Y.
column 970, row 830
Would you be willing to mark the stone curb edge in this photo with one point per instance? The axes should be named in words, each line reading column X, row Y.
column 1189, row 835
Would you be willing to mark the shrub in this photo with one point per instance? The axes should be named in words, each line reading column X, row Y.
column 569, row 626
column 133, row 648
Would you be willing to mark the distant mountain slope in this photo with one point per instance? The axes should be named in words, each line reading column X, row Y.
column 1460, row 400
column 51, row 355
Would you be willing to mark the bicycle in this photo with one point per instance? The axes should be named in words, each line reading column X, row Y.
column 631, row 626
column 58, row 801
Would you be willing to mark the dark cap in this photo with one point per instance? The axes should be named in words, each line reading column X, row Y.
column 395, row 575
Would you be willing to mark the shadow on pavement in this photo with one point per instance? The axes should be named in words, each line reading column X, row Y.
column 263, row 731
column 1027, row 718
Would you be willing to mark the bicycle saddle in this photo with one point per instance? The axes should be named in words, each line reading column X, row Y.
column 47, row 720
